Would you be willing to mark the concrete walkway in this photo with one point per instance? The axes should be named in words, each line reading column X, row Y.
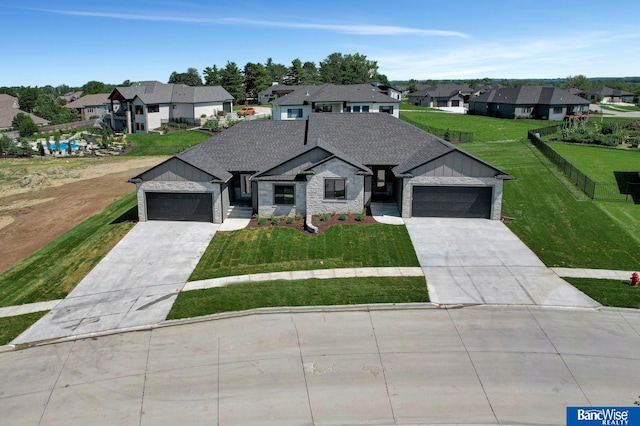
column 135, row 284
column 368, row 365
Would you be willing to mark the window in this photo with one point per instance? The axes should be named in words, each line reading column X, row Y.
column 388, row 109
column 365, row 108
column 174, row 106
column 245, row 184
column 347, row 109
column 294, row 113
column 283, row 194
column 356, row 108
column 557, row 110
column 527, row 110
column 455, row 103
column 140, row 127
column 139, row 110
column 153, row 108
column 335, row 189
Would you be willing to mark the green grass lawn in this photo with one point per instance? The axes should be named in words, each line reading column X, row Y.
column 12, row 327
column 560, row 229
column 168, row 144
column 313, row 292
column 54, row 270
column 617, row 293
column 258, row 250
column 630, row 108
column 484, row 129
column 599, row 162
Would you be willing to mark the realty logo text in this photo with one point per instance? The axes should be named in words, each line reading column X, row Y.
column 604, row 416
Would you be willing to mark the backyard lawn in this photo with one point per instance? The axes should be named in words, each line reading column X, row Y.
column 272, row 249
column 484, row 129
column 168, row 144
column 599, row 162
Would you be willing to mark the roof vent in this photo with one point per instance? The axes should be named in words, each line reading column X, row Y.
column 307, row 93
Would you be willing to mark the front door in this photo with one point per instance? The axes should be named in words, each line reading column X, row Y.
column 383, row 184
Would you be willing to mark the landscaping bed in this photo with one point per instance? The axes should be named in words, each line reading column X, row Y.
column 322, row 222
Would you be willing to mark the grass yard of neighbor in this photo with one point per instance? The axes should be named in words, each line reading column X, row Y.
column 258, row 250
column 312, row 292
column 168, row 144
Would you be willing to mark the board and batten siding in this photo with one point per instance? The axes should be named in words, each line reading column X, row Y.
column 175, row 170
column 297, row 164
column 454, row 164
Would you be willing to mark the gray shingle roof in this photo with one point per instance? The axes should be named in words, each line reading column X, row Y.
column 89, row 100
column 334, row 93
column 154, row 92
column 361, row 139
column 442, row 90
column 608, row 91
column 530, row 95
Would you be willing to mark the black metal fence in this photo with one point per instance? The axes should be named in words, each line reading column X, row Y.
column 601, row 191
column 453, row 136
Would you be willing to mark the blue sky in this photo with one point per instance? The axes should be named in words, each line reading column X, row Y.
column 75, row 41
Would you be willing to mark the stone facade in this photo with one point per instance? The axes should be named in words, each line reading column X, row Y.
column 409, row 183
column 173, row 186
column 335, row 168
column 266, row 205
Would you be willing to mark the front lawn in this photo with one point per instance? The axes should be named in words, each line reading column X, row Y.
column 168, row 144
column 616, row 293
column 273, row 249
column 312, row 292
column 599, row 162
column 12, row 327
column 484, row 129
column 54, row 270
column 561, row 229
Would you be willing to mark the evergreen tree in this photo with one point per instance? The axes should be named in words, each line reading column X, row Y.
column 233, row 82
column 212, row 76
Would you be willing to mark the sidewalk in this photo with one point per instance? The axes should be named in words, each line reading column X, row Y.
column 10, row 311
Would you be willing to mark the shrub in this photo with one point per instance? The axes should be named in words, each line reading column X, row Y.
column 325, row 217
column 275, row 221
column 609, row 128
column 291, row 220
column 360, row 217
column 342, row 217
column 262, row 221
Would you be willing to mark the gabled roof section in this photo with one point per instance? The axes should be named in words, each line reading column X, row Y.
column 443, row 90
column 530, row 95
column 207, row 167
column 334, row 93
column 89, row 100
column 154, row 92
column 608, row 91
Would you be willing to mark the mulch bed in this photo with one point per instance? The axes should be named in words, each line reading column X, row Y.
column 321, row 225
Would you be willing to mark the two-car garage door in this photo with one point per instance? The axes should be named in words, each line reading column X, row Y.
column 452, row 201
column 185, row 206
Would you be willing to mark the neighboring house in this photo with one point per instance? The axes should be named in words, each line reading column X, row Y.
column 275, row 91
column 147, row 105
column 447, row 97
column 331, row 163
column 608, row 95
column 91, row 106
column 333, row 98
column 546, row 103
column 9, row 108
column 69, row 97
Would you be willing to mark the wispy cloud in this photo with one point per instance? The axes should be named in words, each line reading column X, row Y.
column 357, row 29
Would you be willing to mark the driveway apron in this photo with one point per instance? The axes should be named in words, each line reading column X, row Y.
column 135, row 284
column 471, row 261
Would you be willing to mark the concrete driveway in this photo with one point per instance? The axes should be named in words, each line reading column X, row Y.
column 471, row 261
column 135, row 284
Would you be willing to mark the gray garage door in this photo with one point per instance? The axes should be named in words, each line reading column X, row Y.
column 179, row 206
column 451, row 201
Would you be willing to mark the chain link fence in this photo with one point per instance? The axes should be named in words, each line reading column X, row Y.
column 453, row 136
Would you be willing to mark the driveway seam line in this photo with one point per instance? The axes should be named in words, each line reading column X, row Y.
column 384, row 374
column 304, row 372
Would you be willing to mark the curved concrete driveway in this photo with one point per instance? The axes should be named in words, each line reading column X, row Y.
column 479, row 261
column 135, row 284
column 476, row 365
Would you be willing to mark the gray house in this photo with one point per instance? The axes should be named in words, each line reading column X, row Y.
column 330, row 163
column 608, row 95
column 546, row 103
column 448, row 97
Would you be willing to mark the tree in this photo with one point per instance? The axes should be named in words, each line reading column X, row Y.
column 295, row 73
column 94, row 87
column 256, row 79
column 577, row 82
column 190, row 78
column 331, row 69
column 5, row 143
column 311, row 73
column 276, row 71
column 413, row 85
column 24, row 124
column 233, row 82
column 27, row 98
column 212, row 76
column 49, row 109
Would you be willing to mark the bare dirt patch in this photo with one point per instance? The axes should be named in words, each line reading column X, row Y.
column 33, row 215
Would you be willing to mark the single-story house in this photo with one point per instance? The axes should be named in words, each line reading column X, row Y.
column 149, row 104
column 334, row 98
column 69, row 96
column 91, row 106
column 275, row 91
column 608, row 95
column 9, row 108
column 448, row 97
column 546, row 103
column 329, row 163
